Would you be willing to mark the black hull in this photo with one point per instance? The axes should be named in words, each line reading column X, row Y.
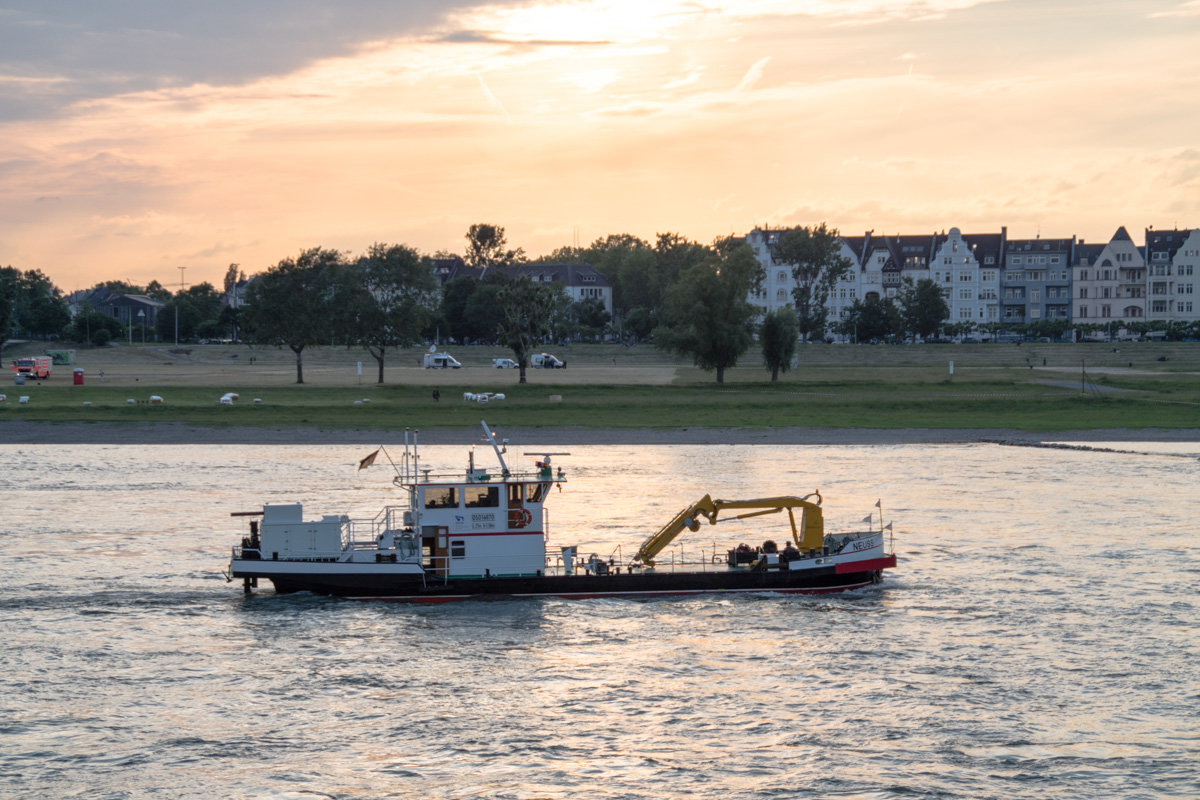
column 412, row 589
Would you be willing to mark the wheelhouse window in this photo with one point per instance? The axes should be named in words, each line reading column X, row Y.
column 441, row 497
column 458, row 548
column 516, row 494
column 534, row 492
column 481, row 496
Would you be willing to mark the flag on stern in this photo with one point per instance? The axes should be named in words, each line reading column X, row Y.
column 369, row 460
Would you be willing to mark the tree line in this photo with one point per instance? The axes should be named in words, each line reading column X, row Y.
column 686, row 297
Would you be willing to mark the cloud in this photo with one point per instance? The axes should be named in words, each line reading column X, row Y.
column 1188, row 9
column 753, row 75
column 72, row 50
column 493, row 100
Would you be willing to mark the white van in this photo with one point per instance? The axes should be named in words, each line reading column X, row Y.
column 546, row 361
column 441, row 361
column 504, row 363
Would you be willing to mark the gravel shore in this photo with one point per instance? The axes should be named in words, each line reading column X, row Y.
column 33, row 433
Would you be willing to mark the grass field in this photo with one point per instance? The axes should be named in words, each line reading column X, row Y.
column 1033, row 387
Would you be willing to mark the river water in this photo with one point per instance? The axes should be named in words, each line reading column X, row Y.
column 1037, row 640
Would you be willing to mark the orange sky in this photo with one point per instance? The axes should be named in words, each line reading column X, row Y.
column 135, row 146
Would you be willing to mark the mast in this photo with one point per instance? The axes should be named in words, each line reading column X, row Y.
column 491, row 437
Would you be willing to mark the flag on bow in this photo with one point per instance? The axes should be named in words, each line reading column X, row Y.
column 868, row 517
column 368, row 461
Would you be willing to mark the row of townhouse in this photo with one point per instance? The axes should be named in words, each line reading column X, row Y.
column 989, row 279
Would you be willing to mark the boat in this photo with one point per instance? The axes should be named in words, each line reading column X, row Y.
column 482, row 534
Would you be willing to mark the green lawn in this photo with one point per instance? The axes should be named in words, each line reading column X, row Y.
column 836, row 397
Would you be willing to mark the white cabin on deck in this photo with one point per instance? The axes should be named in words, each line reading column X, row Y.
column 478, row 524
column 486, row 527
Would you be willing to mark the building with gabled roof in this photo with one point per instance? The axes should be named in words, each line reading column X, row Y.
column 966, row 267
column 1112, row 288
column 1172, row 264
column 579, row 281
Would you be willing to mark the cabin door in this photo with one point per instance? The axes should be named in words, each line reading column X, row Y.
column 435, row 547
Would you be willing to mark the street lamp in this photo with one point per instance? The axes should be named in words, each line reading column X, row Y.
column 142, row 317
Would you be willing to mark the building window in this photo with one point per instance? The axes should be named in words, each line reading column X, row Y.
column 1083, row 312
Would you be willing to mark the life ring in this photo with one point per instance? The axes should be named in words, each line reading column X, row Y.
column 519, row 517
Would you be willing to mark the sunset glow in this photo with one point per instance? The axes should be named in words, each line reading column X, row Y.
column 180, row 143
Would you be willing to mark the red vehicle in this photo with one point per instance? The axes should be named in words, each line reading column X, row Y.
column 38, row 367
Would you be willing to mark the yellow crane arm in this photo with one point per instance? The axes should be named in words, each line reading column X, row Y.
column 684, row 519
column 810, row 536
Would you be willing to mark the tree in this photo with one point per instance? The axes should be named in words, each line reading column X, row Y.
column 199, row 311
column 39, row 306
column 384, row 299
column 9, row 286
column 289, row 304
column 455, row 295
column 231, row 279
column 590, row 317
column 88, row 324
column 708, row 315
column 778, row 339
column 923, row 307
column 486, row 247
column 872, row 320
column 631, row 266
column 484, row 312
column 157, row 291
column 528, row 310
column 817, row 266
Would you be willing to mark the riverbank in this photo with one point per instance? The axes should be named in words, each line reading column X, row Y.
column 34, row 433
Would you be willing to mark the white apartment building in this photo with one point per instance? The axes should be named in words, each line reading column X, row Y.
column 1113, row 287
column 1173, row 265
column 967, row 270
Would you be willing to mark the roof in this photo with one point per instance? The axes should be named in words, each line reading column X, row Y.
column 1086, row 254
column 1039, row 245
column 567, row 274
column 1170, row 241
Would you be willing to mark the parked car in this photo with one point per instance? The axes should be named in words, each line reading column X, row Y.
column 546, row 361
column 441, row 361
column 504, row 363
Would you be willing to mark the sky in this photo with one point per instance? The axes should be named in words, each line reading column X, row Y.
column 162, row 140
